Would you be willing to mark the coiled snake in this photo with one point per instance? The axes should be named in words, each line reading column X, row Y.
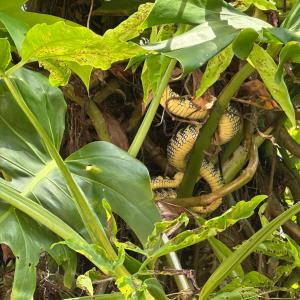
column 182, row 142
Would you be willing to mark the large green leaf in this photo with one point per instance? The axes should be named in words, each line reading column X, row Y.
column 218, row 24
column 123, row 181
column 101, row 169
column 61, row 47
column 266, row 67
column 201, row 11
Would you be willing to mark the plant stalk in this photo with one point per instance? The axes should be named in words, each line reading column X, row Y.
column 145, row 126
column 90, row 219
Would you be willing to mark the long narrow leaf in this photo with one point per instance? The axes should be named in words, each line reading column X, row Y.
column 244, row 250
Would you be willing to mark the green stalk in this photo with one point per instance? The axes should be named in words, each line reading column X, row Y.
column 145, row 126
column 204, row 138
column 90, row 219
column 244, row 250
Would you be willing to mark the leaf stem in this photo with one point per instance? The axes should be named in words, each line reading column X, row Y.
column 90, row 219
column 145, row 126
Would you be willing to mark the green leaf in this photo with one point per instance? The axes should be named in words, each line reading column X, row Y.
column 113, row 296
column 289, row 53
column 94, row 253
column 155, row 66
column 5, row 56
column 155, row 289
column 61, row 47
column 34, row 174
column 85, row 283
column 27, row 239
column 222, row 252
column 15, row 11
column 244, row 250
column 295, row 250
column 131, row 27
column 292, row 21
column 162, row 227
column 239, row 294
column 260, row 4
column 256, row 279
column 243, row 44
column 266, row 68
column 276, row 247
column 84, row 73
column 201, row 11
column 210, row 228
column 214, row 68
column 15, row 27
column 218, row 24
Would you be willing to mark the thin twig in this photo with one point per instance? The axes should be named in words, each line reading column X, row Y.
column 90, row 13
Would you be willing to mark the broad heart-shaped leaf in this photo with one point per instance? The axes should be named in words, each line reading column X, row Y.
column 119, row 178
column 218, row 24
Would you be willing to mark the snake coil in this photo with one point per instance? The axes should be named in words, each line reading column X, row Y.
column 182, row 143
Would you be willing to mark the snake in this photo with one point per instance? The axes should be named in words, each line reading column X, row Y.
column 181, row 144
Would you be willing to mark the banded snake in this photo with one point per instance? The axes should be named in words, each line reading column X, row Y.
column 182, row 143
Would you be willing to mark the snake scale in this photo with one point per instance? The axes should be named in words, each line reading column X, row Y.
column 182, row 143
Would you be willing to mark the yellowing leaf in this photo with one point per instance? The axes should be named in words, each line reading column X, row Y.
column 214, row 68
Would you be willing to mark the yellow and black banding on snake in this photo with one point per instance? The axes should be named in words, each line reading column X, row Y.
column 229, row 125
column 181, row 106
column 183, row 141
